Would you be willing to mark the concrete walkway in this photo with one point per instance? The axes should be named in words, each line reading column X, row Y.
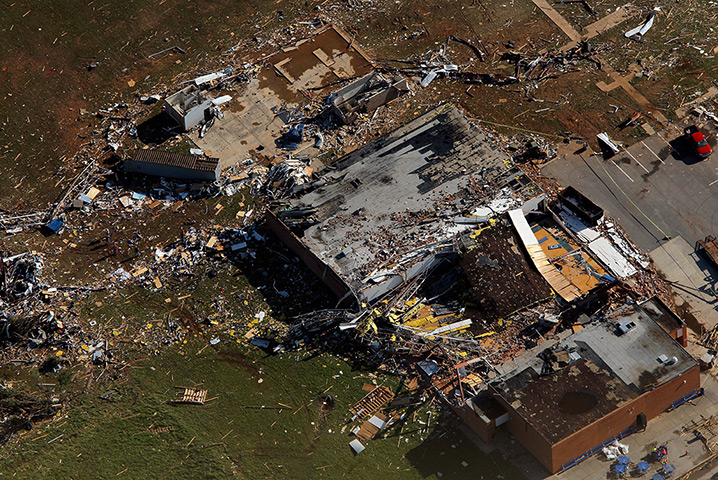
column 683, row 451
column 558, row 20
column 692, row 279
column 592, row 30
column 624, row 83
column 614, row 18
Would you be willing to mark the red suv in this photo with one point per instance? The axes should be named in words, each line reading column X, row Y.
column 698, row 141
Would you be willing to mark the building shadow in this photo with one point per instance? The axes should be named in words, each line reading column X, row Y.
column 446, row 453
column 157, row 129
column 288, row 286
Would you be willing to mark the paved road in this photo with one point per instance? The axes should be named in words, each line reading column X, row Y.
column 653, row 190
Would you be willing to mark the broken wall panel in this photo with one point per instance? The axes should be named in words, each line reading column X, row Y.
column 324, row 272
column 365, row 95
column 188, row 107
column 558, row 282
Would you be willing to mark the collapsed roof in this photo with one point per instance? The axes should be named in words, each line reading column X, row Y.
column 500, row 276
column 385, row 213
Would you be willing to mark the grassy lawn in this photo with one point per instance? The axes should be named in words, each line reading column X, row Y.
column 232, row 434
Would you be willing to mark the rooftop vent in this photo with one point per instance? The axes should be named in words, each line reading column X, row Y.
column 624, row 326
column 667, row 361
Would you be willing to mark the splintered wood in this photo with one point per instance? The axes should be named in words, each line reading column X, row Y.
column 709, row 338
column 371, row 427
column 704, row 430
column 195, row 396
column 372, row 402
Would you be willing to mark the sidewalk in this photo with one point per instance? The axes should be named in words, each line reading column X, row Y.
column 683, row 450
column 690, row 277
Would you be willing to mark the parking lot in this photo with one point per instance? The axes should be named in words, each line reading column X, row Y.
column 665, row 198
column 656, row 188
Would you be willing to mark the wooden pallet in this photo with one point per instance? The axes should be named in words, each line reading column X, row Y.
column 372, row 402
column 168, row 428
column 195, row 396
column 367, row 431
column 473, row 379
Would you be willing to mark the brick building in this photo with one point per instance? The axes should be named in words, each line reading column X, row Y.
column 588, row 388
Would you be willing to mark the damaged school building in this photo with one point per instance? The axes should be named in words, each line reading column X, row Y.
column 448, row 261
column 603, row 382
column 514, row 308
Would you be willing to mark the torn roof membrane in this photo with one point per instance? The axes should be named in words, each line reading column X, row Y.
column 378, row 216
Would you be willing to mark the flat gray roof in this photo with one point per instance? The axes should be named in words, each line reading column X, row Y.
column 633, row 356
column 388, row 205
column 594, row 371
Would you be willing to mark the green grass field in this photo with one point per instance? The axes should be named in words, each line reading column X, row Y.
column 232, row 435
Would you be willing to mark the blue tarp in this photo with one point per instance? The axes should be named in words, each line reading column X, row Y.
column 54, row 226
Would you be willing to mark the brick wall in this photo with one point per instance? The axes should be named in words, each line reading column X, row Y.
column 485, row 430
column 325, row 273
column 651, row 403
column 681, row 335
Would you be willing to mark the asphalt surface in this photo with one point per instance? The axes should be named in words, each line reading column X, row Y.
column 656, row 189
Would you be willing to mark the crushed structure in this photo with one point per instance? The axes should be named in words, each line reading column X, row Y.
column 386, row 213
column 400, row 229
column 450, row 262
column 282, row 92
column 189, row 107
column 365, row 95
column 501, row 278
column 161, row 163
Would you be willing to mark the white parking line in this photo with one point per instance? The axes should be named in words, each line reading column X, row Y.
column 624, row 172
column 654, row 153
column 673, row 150
column 636, row 160
column 661, row 137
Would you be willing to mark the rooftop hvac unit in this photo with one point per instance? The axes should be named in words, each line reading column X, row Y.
column 624, row 326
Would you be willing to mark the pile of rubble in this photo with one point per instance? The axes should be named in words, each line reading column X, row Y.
column 527, row 67
column 36, row 319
